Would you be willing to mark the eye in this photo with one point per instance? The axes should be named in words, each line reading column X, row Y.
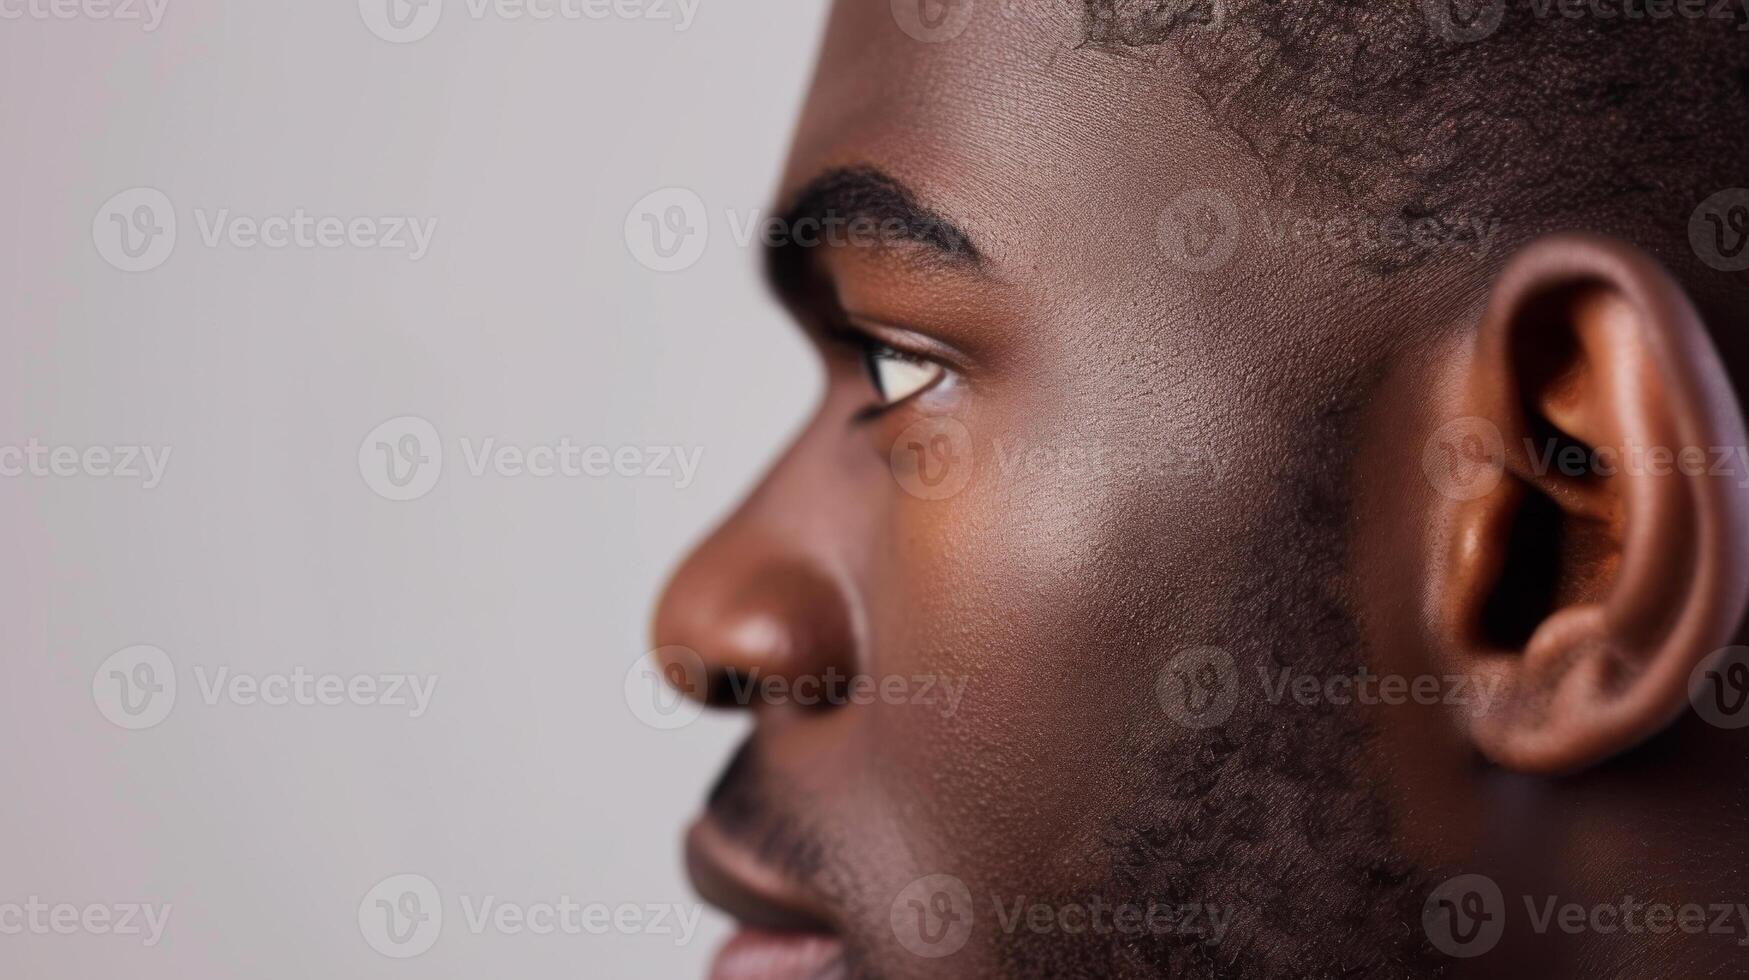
column 897, row 375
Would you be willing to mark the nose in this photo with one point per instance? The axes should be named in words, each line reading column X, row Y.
column 750, row 606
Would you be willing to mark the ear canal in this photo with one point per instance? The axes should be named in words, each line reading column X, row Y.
column 1610, row 556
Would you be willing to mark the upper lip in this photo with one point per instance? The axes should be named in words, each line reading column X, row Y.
column 757, row 895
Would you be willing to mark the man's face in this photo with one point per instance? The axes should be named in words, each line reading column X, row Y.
column 1125, row 451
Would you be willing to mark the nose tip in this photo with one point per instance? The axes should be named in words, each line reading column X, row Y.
column 721, row 638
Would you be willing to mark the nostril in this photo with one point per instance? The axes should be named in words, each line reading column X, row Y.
column 731, row 687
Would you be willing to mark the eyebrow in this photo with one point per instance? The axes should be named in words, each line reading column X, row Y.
column 866, row 198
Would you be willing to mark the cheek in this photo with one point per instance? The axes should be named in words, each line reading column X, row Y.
column 1032, row 596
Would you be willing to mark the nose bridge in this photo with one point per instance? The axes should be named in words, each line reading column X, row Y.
column 763, row 595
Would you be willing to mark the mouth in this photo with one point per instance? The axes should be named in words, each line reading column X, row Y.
column 783, row 934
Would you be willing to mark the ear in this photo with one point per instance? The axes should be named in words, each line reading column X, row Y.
column 1598, row 549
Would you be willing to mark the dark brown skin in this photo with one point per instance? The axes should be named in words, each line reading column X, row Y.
column 1302, row 530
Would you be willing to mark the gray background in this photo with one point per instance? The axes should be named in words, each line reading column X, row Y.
column 264, row 548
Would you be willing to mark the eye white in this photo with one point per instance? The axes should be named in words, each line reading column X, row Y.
column 899, row 377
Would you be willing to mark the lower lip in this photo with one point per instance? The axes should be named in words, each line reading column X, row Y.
column 756, row 954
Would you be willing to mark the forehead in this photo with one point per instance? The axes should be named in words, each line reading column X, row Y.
column 996, row 115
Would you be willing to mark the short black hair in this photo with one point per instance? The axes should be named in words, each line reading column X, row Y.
column 1537, row 113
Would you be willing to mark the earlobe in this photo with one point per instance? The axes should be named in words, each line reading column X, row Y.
column 1607, row 552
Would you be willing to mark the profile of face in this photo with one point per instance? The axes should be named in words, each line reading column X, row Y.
column 1277, row 506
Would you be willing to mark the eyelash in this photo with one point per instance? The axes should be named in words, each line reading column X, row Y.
column 867, row 349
